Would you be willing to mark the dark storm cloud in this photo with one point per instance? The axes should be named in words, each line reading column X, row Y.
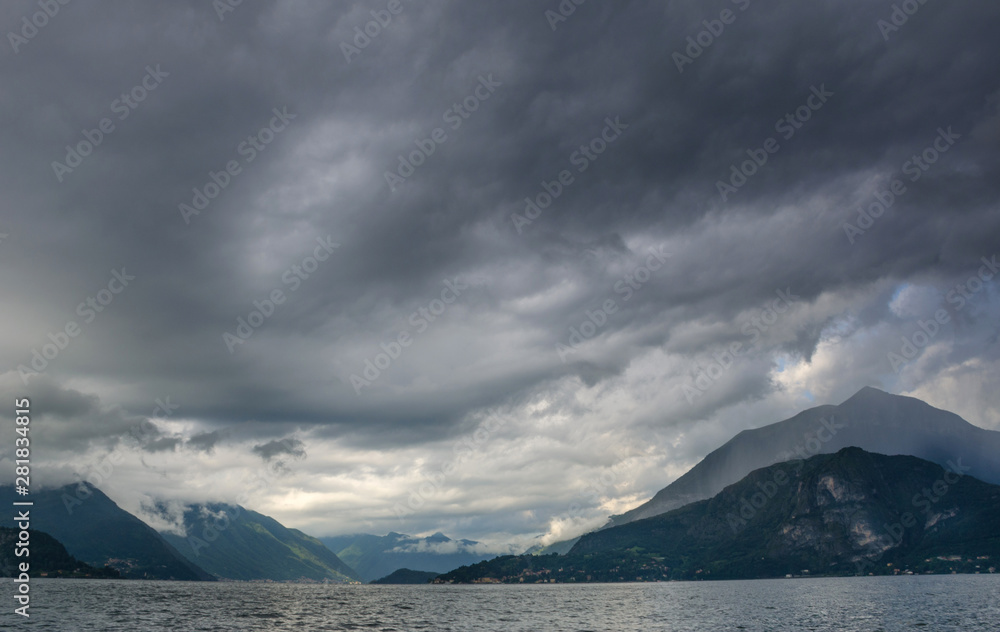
column 272, row 449
column 216, row 90
column 205, row 442
column 74, row 421
column 166, row 444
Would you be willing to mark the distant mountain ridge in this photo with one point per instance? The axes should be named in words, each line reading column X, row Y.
column 374, row 556
column 871, row 419
column 235, row 543
column 407, row 576
column 97, row 531
column 849, row 513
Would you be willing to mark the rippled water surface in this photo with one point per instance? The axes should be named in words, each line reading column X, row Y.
column 952, row 602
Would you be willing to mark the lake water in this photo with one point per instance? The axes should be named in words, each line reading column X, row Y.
column 949, row 602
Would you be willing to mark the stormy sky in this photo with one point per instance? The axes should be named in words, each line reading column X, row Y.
column 494, row 269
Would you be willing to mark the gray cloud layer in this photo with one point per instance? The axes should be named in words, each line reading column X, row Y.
column 458, row 306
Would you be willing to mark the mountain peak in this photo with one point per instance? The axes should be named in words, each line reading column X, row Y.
column 871, row 419
column 868, row 394
column 851, row 450
column 379, row 556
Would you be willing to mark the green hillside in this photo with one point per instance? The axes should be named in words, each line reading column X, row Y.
column 97, row 531
column 46, row 558
column 232, row 542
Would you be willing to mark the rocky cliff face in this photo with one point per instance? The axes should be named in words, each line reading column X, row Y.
column 842, row 511
column 849, row 513
column 872, row 420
